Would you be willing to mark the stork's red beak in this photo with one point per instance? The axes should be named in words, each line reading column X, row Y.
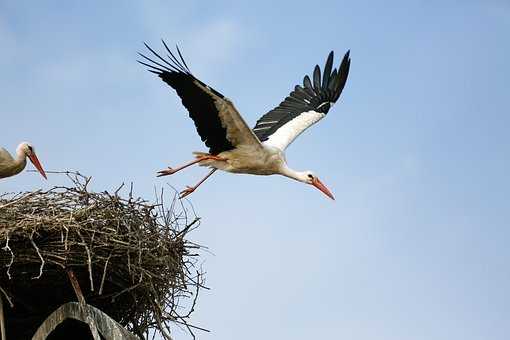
column 33, row 158
column 318, row 184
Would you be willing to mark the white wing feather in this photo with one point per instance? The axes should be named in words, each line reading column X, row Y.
column 286, row 134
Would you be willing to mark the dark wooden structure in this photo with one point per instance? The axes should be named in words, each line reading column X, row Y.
column 78, row 320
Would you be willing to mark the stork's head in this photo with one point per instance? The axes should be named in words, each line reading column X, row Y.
column 29, row 151
column 309, row 177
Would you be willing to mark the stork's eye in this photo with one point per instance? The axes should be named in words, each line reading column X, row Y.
column 30, row 148
column 310, row 176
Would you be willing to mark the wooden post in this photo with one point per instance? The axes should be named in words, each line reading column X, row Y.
column 76, row 286
column 2, row 319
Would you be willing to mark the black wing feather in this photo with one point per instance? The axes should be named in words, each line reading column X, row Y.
column 327, row 71
column 198, row 102
column 343, row 72
column 317, row 79
column 308, row 86
column 317, row 96
column 331, row 85
column 307, row 83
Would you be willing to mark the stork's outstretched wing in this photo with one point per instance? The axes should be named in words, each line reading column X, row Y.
column 217, row 121
column 304, row 106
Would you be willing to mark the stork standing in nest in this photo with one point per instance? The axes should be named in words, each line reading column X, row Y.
column 233, row 146
column 12, row 166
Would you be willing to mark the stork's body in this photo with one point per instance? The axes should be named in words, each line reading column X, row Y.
column 265, row 160
column 233, row 146
column 10, row 166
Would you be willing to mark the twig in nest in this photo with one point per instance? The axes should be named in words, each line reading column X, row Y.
column 76, row 287
column 20, row 199
column 89, row 261
column 104, row 274
column 7, row 297
column 40, row 256
column 6, row 247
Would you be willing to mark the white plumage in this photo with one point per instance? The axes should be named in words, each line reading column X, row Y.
column 286, row 134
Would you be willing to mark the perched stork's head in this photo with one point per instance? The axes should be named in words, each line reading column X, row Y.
column 29, row 151
column 310, row 178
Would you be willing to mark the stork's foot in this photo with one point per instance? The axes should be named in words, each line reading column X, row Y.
column 166, row 172
column 186, row 192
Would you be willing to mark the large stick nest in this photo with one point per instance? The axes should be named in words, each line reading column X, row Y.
column 131, row 257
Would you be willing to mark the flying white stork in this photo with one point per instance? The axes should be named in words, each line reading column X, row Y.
column 233, row 146
column 10, row 166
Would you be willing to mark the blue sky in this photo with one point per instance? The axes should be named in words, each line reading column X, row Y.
column 416, row 153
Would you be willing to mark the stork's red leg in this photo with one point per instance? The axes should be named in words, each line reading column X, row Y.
column 189, row 190
column 171, row 171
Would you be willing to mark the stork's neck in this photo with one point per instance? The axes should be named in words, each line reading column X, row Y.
column 20, row 154
column 20, row 161
column 291, row 173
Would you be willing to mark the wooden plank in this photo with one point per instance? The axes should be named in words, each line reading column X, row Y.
column 108, row 327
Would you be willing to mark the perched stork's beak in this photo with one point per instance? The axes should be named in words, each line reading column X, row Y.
column 318, row 184
column 33, row 158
